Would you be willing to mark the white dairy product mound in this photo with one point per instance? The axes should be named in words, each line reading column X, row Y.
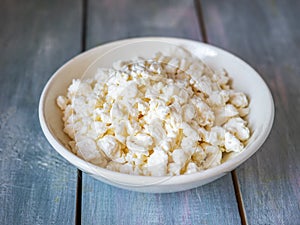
column 168, row 115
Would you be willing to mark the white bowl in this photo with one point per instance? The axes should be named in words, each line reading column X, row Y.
column 244, row 78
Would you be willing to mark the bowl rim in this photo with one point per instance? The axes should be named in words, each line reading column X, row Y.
column 223, row 168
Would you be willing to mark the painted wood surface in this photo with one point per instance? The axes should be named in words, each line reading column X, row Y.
column 110, row 20
column 37, row 186
column 266, row 34
column 214, row 203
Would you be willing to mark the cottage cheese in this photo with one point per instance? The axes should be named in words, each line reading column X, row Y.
column 162, row 116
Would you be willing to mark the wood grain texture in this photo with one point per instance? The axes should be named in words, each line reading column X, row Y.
column 110, row 20
column 267, row 35
column 214, row 203
column 37, row 186
column 210, row 204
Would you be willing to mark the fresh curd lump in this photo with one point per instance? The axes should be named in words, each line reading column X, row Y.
column 167, row 115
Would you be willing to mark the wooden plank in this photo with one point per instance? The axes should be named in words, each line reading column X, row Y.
column 113, row 20
column 37, row 185
column 266, row 34
column 210, row 204
column 214, row 203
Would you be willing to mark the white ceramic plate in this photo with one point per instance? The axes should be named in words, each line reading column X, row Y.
column 244, row 79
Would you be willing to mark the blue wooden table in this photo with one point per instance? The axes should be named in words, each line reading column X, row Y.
column 37, row 186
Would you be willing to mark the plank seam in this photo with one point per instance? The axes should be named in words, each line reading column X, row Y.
column 78, row 198
column 79, row 172
column 200, row 18
column 239, row 198
column 237, row 190
column 84, row 25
